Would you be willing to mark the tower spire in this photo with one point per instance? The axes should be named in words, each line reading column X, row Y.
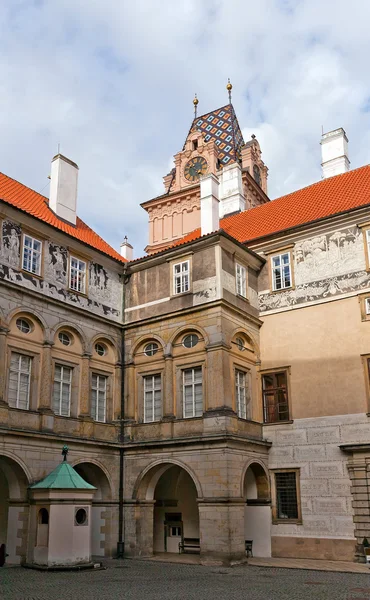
column 195, row 102
column 229, row 87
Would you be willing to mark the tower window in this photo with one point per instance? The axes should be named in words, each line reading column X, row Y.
column 195, row 144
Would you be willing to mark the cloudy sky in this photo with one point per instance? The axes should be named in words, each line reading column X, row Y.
column 112, row 81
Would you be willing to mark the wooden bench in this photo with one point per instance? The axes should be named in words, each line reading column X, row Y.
column 190, row 545
column 249, row 547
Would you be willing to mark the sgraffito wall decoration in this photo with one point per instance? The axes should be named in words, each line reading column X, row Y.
column 324, row 266
column 104, row 295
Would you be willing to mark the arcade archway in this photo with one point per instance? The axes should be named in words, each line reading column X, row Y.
column 257, row 515
column 14, row 509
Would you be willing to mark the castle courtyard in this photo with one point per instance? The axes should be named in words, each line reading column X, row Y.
column 146, row 580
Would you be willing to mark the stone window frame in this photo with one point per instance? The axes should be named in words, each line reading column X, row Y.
column 275, row 519
column 140, row 374
column 278, row 252
column 176, row 261
column 248, row 404
column 179, row 367
column 109, row 398
column 39, row 238
column 366, row 237
column 244, row 279
column 34, row 376
column 287, row 370
column 76, row 370
column 81, row 258
column 362, row 299
column 365, row 358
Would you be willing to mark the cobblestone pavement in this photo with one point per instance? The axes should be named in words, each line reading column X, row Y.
column 142, row 580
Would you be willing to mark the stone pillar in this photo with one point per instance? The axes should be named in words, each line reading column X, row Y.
column 139, row 527
column 129, row 392
column 168, row 389
column 116, row 404
column 221, row 525
column 84, row 410
column 3, row 333
column 46, row 378
column 219, row 385
column 358, row 469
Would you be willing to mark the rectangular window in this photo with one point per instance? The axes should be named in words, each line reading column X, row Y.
column 77, row 275
column 281, row 271
column 31, row 255
column 152, row 398
column 98, row 397
column 367, row 305
column 62, row 390
column 19, row 381
column 181, row 277
column 242, row 393
column 192, row 392
column 286, row 495
column 275, row 397
column 241, row 281
column 368, row 244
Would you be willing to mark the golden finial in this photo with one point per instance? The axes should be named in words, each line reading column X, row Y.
column 195, row 102
column 229, row 87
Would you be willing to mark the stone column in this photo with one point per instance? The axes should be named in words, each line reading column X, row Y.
column 3, row 333
column 168, row 389
column 221, row 526
column 46, row 378
column 84, row 405
column 116, row 396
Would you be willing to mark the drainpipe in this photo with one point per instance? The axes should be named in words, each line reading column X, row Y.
column 121, row 543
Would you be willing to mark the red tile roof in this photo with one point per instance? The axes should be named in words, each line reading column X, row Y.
column 18, row 195
column 322, row 199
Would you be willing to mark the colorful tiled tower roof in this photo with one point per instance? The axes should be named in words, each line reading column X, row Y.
column 222, row 127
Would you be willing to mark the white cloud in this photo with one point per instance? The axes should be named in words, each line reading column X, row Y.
column 113, row 83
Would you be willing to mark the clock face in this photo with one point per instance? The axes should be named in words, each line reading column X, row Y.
column 195, row 167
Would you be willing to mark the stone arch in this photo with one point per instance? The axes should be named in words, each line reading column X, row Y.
column 145, row 338
column 188, row 328
column 33, row 313
column 255, row 490
column 73, row 327
column 102, row 515
column 250, row 335
column 146, row 482
column 14, row 506
column 260, row 472
column 96, row 474
column 108, row 338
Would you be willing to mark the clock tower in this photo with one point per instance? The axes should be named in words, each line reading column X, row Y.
column 214, row 145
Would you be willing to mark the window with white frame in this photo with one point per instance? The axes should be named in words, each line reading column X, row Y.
column 367, row 306
column 62, row 390
column 242, row 393
column 99, row 397
column 181, row 277
column 241, row 280
column 152, row 398
column 281, row 271
column 19, row 381
column 77, row 274
column 368, row 244
column 192, row 382
column 31, row 255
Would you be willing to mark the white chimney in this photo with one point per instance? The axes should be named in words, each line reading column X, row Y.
column 231, row 191
column 63, row 188
column 209, row 204
column 127, row 250
column 334, row 151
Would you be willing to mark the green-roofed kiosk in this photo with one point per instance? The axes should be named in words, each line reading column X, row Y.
column 61, row 519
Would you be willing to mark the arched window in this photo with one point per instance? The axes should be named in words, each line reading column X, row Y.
column 43, row 516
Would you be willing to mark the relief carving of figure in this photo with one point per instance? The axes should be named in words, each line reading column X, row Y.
column 11, row 242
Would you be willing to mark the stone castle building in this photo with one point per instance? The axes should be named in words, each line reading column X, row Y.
column 215, row 391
